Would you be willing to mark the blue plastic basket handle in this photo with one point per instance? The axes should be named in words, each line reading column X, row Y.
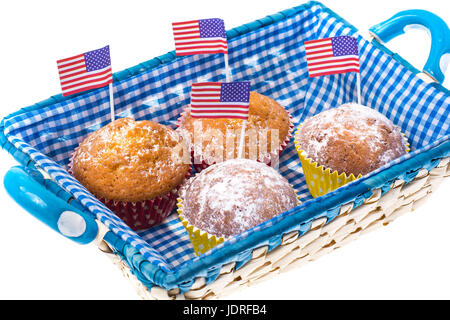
column 26, row 187
column 439, row 56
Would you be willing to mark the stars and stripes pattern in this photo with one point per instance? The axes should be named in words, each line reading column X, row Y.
column 220, row 100
column 205, row 36
column 85, row 71
column 332, row 55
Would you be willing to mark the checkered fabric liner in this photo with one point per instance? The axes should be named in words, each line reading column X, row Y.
column 273, row 59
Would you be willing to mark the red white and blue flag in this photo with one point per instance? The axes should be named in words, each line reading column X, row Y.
column 332, row 55
column 220, row 100
column 85, row 71
column 200, row 36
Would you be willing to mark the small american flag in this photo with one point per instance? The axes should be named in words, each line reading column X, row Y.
column 85, row 71
column 332, row 56
column 200, row 36
column 220, row 100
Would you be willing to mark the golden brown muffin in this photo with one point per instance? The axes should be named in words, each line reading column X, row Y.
column 351, row 138
column 210, row 141
column 131, row 161
column 233, row 196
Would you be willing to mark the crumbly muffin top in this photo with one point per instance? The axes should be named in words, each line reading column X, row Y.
column 130, row 160
column 218, row 139
column 351, row 138
column 233, row 196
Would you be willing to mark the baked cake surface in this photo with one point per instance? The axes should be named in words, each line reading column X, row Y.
column 211, row 140
column 351, row 138
column 130, row 160
column 233, row 196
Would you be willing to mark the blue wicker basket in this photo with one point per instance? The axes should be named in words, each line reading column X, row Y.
column 269, row 52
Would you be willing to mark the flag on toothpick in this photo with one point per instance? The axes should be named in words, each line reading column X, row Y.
column 220, row 100
column 332, row 55
column 200, row 36
column 85, row 71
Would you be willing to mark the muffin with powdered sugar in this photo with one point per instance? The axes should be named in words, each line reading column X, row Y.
column 348, row 141
column 231, row 197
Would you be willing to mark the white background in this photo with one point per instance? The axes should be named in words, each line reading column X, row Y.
column 408, row 259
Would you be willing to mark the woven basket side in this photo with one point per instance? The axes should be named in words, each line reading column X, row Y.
column 378, row 210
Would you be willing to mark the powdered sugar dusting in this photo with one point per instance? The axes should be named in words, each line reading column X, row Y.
column 233, row 196
column 349, row 130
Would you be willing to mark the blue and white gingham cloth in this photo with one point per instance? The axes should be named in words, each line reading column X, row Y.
column 273, row 59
